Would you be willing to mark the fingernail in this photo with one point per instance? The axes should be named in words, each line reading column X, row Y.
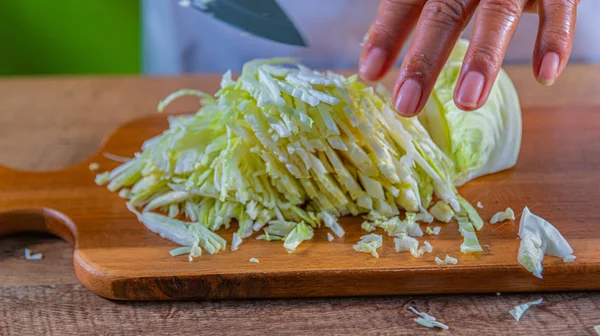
column 373, row 64
column 549, row 68
column 408, row 97
column 470, row 89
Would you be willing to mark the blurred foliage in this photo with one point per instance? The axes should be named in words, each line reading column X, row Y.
column 69, row 37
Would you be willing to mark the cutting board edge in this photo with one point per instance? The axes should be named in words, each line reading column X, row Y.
column 331, row 283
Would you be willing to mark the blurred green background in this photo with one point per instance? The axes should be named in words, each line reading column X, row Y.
column 41, row 37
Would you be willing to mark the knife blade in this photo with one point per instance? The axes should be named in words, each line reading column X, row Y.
column 263, row 18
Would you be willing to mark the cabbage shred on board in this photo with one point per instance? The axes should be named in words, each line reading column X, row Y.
column 284, row 150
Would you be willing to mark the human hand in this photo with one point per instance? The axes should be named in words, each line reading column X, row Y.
column 439, row 24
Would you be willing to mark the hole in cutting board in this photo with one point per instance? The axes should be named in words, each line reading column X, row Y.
column 37, row 220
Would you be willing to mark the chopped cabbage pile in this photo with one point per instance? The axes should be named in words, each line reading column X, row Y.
column 285, row 150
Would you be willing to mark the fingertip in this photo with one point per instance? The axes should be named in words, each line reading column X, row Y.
column 548, row 69
column 469, row 91
column 408, row 97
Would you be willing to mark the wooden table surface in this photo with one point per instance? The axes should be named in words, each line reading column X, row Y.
column 50, row 123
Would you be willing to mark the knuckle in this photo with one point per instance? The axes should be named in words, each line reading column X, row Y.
column 419, row 65
column 567, row 6
column 558, row 38
column 508, row 11
column 487, row 56
column 450, row 13
column 388, row 25
column 402, row 4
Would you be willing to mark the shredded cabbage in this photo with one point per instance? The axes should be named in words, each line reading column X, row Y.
column 330, row 237
column 518, row 311
column 406, row 243
column 300, row 233
column 369, row 244
column 479, row 205
column 427, row 320
column 503, row 216
column 442, row 212
column 539, row 238
column 29, row 256
column 254, row 260
column 180, row 251
column 285, row 149
column 447, row 260
column 236, row 241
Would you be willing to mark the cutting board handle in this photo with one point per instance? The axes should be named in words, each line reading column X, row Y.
column 28, row 203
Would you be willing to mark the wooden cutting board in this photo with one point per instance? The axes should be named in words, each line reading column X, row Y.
column 115, row 256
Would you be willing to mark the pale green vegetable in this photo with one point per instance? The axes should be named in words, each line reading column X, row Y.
column 468, row 210
column 539, row 238
column 470, row 241
column 406, row 243
column 286, row 150
column 268, row 237
column 236, row 241
column 426, row 248
column 300, row 233
column 569, row 258
column 393, row 226
column 29, row 256
column 597, row 329
column 254, row 260
column 480, row 142
column 518, row 311
column 442, row 212
column 503, row 216
column 427, row 320
column 180, row 251
column 330, row 237
column 94, row 166
column 479, row 205
column 447, row 260
column 369, row 244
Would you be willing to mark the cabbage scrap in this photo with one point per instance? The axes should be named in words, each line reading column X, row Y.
column 442, row 212
column 300, row 233
column 29, row 256
column 369, row 244
column 427, row 320
column 503, row 216
column 518, row 311
column 447, row 260
column 539, row 238
column 286, row 150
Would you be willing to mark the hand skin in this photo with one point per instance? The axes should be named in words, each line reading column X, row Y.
column 437, row 25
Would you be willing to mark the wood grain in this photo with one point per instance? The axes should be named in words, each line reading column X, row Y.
column 116, row 257
column 45, row 298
